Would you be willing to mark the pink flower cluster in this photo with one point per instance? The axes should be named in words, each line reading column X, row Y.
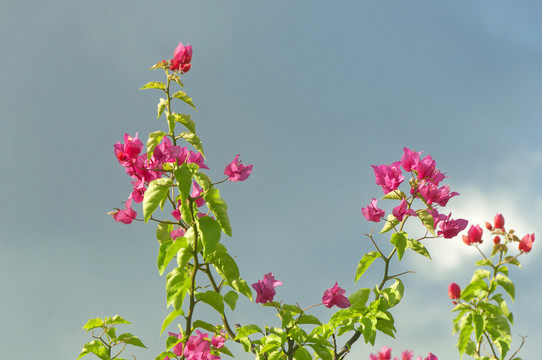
column 425, row 184
column 265, row 292
column 198, row 347
column 385, row 354
column 144, row 170
column 475, row 234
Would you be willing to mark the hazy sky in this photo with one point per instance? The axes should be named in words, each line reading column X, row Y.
column 312, row 96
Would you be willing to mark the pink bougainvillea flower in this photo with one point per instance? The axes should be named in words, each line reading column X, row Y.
column 265, row 289
column 177, row 233
column 454, row 291
column 474, row 236
column 125, row 216
column 196, row 158
column 432, row 194
column 335, row 296
column 431, row 357
column 196, row 191
column 499, row 221
column 385, row 353
column 400, row 211
column 526, row 244
column 127, row 153
column 177, row 349
column 182, row 56
column 236, row 171
column 427, row 171
column 372, row 212
column 139, row 190
column 406, row 355
column 449, row 227
column 410, row 159
column 218, row 341
column 389, row 177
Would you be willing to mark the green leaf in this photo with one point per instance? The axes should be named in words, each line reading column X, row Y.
column 323, row 352
column 369, row 329
column 130, row 339
column 205, row 325
column 359, row 298
column 167, row 251
column 294, row 309
column 512, row 260
column 400, row 241
column 183, row 256
column 193, row 140
column 242, row 287
column 162, row 232
column 210, row 231
column 183, row 174
column 161, row 106
column 219, row 207
column 365, row 262
column 480, row 274
column 247, row 330
column 171, row 316
column 97, row 348
column 185, row 120
column 93, row 323
column 302, row 354
column 165, row 354
column 212, row 299
column 484, row 262
column 386, row 326
column 182, row 96
column 115, row 320
column 478, row 326
column 390, row 224
column 419, row 248
column 153, row 141
column 231, row 299
column 471, row 289
column 308, row 319
column 177, row 284
column 157, row 190
column 154, row 85
column 395, row 195
column 507, row 285
column 225, row 265
column 427, row 220
column 465, row 329
column 203, row 180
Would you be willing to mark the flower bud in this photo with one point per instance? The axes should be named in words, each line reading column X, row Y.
column 489, row 226
column 499, row 221
column 497, row 240
column 454, row 291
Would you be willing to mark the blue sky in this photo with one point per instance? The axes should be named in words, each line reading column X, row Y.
column 312, row 96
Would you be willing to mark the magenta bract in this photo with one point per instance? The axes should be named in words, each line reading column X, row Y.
column 526, row 243
column 265, row 289
column 372, row 212
column 335, row 296
column 236, row 171
column 474, row 236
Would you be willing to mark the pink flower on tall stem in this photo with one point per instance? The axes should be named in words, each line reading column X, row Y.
column 236, row 171
column 454, row 291
column 335, row 296
column 182, row 56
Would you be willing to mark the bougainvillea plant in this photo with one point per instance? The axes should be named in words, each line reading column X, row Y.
column 170, row 176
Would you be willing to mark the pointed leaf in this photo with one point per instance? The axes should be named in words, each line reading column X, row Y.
column 390, row 223
column 161, row 106
column 93, row 323
column 154, row 85
column 167, row 251
column 193, row 140
column 242, row 287
column 185, row 120
column 219, row 207
column 171, row 316
column 212, row 299
column 478, row 326
column 130, row 339
column 247, row 330
column 116, row 320
column 157, row 190
column 182, row 96
column 224, row 265
column 395, row 195
column 365, row 262
column 154, row 140
column 400, row 241
column 210, row 231
column 358, row 299
column 507, row 285
column 97, row 348
column 419, row 248
column 231, row 299
column 427, row 220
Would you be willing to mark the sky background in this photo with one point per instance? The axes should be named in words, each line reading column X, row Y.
column 312, row 95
